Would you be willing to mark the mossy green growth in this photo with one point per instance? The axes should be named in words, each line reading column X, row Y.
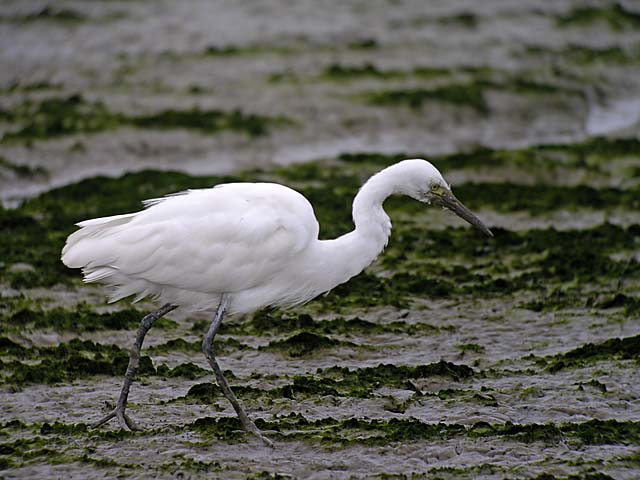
column 237, row 50
column 305, row 343
column 469, row 95
column 586, row 56
column 615, row 14
column 227, row 429
column 49, row 13
column 191, row 465
column 189, row 370
column 19, row 86
column 506, row 197
column 591, row 155
column 362, row 291
column 80, row 319
column 465, row 19
column 339, row 72
column 383, row 432
column 55, row 117
column 361, row 382
column 470, row 348
column 21, row 171
column 270, row 322
column 629, row 304
column 342, row 382
column 207, row 121
column 266, row 475
column 583, row 476
column 558, row 263
column 69, row 361
column 25, row 261
column 615, row 348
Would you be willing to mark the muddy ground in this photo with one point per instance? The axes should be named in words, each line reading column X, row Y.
column 452, row 356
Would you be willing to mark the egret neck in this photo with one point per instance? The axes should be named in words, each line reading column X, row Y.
column 349, row 254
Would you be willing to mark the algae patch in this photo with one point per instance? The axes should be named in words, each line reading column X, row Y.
column 67, row 362
column 463, row 95
column 81, row 319
column 615, row 348
column 616, row 15
column 55, row 117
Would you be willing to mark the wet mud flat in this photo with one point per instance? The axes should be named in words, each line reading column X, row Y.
column 452, row 356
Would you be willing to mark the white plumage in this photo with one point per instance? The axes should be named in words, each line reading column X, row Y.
column 257, row 242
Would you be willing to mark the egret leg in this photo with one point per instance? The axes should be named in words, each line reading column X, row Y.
column 207, row 348
column 125, row 421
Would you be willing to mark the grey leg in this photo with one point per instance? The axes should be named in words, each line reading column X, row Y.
column 207, row 348
column 134, row 361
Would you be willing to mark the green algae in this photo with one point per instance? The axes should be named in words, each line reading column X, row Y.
column 189, row 371
column 361, row 382
column 56, row 117
column 407, row 430
column 593, row 383
column 470, row 348
column 305, row 343
column 340, row 382
column 265, row 475
column 339, row 72
column 207, row 121
column 579, row 476
column 627, row 348
column 544, row 260
column 364, row 44
column 590, row 155
column 20, row 171
column 581, row 55
column 48, row 13
column 67, row 362
column 471, row 94
column 19, row 230
column 506, row 197
column 178, row 345
column 177, row 467
column 227, row 429
column 630, row 305
column 80, row 319
column 616, row 15
column 241, row 50
column 53, row 117
column 18, row 86
column 464, row 95
column 270, row 322
column 464, row 19
column 362, row 291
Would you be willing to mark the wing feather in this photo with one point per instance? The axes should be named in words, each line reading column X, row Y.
column 224, row 239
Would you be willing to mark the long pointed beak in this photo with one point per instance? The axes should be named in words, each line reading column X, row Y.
column 450, row 202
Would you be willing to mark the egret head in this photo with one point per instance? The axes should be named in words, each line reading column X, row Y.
column 424, row 182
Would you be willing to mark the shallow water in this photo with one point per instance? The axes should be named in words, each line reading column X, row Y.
column 466, row 357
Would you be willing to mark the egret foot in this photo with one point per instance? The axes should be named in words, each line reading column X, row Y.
column 207, row 348
column 126, row 422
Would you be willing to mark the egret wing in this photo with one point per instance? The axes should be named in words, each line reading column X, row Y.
column 225, row 239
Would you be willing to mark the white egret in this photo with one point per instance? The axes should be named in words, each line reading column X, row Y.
column 238, row 247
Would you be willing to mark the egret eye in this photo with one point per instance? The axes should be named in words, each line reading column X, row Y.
column 435, row 187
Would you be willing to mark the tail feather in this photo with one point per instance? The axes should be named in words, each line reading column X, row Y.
column 82, row 248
